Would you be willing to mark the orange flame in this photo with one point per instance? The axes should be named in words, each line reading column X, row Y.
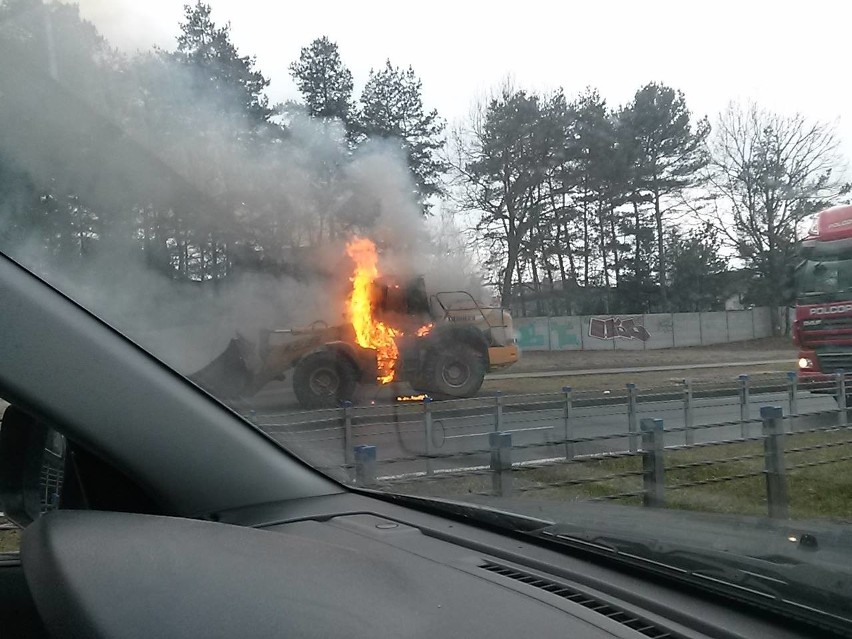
column 411, row 398
column 370, row 333
column 424, row 330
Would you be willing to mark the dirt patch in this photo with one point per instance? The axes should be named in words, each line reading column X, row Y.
column 761, row 349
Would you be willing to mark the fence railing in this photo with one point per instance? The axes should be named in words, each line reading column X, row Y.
column 525, row 443
column 651, row 476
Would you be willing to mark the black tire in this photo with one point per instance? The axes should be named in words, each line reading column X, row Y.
column 452, row 371
column 324, row 379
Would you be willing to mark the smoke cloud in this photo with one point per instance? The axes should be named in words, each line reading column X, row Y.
column 133, row 26
column 99, row 152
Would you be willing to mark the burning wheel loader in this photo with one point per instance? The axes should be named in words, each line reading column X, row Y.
column 442, row 346
column 445, row 357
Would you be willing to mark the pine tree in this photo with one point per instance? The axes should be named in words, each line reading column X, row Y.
column 670, row 155
column 324, row 81
column 392, row 109
column 221, row 74
column 694, row 265
column 506, row 167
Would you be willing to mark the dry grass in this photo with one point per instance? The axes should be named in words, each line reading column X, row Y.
column 10, row 539
column 822, row 491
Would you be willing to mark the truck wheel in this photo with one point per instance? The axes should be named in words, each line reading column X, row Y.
column 324, row 379
column 454, row 371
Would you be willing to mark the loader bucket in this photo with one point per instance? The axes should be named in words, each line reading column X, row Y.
column 228, row 376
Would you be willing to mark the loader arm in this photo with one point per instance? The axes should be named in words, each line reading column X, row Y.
column 282, row 357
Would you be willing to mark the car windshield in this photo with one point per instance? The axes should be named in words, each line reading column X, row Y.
column 824, row 278
column 528, row 262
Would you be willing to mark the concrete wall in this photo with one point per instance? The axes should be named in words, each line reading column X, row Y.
column 687, row 329
column 662, row 328
column 641, row 332
column 740, row 325
column 762, row 321
column 714, row 327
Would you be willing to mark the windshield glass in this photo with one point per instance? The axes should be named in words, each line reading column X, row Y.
column 824, row 278
column 547, row 278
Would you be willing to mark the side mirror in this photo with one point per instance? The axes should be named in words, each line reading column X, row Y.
column 32, row 466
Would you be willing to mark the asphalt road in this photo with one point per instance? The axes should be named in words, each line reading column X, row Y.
column 461, row 428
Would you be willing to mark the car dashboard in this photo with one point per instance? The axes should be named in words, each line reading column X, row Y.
column 344, row 565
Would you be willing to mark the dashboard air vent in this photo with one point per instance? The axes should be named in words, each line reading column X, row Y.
column 630, row 620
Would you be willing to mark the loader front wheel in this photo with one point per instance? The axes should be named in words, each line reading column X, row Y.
column 324, row 379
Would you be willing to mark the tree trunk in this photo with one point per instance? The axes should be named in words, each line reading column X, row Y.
column 586, row 251
column 554, row 299
column 602, row 228
column 661, row 254
column 615, row 257
column 638, row 256
column 537, row 287
column 520, row 276
column 508, row 274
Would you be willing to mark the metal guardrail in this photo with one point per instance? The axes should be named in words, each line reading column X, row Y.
column 651, row 467
column 502, row 412
column 500, row 421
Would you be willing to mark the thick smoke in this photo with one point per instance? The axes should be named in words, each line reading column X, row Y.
column 133, row 25
column 100, row 142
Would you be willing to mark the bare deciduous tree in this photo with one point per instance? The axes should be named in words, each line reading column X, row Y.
column 768, row 172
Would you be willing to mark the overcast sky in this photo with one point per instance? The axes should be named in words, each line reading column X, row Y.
column 786, row 56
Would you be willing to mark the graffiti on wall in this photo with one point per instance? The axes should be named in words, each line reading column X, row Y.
column 532, row 335
column 618, row 327
column 565, row 334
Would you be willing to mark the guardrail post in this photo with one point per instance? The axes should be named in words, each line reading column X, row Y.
column 653, row 468
column 773, row 456
column 793, row 392
column 840, row 376
column 498, row 412
column 365, row 465
column 744, row 416
column 501, row 463
column 632, row 417
column 348, row 457
column 569, row 426
column 688, row 413
column 427, row 433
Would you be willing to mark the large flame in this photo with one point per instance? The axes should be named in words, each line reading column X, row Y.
column 369, row 332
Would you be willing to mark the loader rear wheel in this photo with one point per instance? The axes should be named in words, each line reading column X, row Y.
column 452, row 371
column 324, row 379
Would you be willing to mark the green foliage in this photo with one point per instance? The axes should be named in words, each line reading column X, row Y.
column 392, row 109
column 219, row 73
column 578, row 194
column 695, row 266
column 324, row 81
column 506, row 164
column 668, row 155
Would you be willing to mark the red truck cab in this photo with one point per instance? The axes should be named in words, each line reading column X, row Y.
column 823, row 281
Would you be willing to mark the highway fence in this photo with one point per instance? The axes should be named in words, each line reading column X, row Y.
column 646, row 446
